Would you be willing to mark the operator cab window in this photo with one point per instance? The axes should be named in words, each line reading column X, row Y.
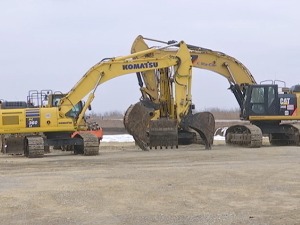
column 271, row 96
column 56, row 101
column 264, row 100
column 257, row 100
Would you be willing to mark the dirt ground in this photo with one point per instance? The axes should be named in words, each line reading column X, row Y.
column 124, row 185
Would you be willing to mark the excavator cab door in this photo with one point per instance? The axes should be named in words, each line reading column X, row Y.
column 261, row 100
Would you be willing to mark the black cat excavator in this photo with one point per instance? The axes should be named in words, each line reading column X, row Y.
column 271, row 110
column 34, row 127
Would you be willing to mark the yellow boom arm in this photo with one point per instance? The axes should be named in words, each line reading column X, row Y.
column 234, row 71
column 136, row 62
column 207, row 59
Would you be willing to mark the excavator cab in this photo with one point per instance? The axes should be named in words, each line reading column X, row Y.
column 54, row 100
column 267, row 100
column 48, row 98
column 261, row 100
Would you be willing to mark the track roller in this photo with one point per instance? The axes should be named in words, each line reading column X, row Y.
column 90, row 144
column 244, row 135
column 290, row 136
column 34, row 146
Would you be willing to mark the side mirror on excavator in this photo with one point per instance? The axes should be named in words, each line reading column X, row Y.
column 90, row 107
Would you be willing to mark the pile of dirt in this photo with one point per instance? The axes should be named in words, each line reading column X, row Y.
column 112, row 126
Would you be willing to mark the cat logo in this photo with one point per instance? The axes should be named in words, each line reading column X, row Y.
column 284, row 101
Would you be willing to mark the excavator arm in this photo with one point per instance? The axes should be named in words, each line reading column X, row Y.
column 233, row 70
column 118, row 66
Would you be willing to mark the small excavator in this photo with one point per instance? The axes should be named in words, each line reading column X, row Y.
column 34, row 128
column 13, row 143
column 272, row 110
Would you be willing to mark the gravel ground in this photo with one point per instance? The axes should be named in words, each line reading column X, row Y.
column 124, row 185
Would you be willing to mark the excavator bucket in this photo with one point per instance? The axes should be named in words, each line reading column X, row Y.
column 150, row 133
column 204, row 124
column 163, row 133
column 14, row 145
column 136, row 122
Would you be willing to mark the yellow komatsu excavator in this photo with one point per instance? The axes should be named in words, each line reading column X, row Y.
column 41, row 99
column 37, row 127
column 270, row 109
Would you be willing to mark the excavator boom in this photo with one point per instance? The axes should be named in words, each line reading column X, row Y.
column 111, row 68
column 227, row 66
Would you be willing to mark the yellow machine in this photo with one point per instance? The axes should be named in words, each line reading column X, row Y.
column 269, row 108
column 52, row 124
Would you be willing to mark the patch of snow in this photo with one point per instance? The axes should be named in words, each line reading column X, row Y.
column 221, row 131
column 219, row 138
column 117, row 138
column 129, row 138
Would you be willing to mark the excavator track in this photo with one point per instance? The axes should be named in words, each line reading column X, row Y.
column 136, row 121
column 291, row 136
column 33, row 146
column 244, row 135
column 90, row 145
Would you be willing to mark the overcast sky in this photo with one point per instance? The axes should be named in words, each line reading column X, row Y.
column 50, row 44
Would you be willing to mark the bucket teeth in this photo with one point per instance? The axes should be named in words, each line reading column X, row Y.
column 203, row 123
column 163, row 133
